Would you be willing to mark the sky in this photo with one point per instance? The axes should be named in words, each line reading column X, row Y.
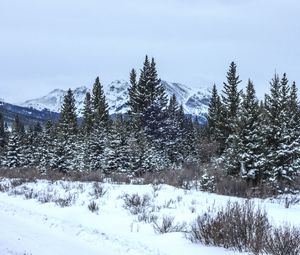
column 65, row 44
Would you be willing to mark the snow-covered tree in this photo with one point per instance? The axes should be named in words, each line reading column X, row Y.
column 99, row 105
column 87, row 122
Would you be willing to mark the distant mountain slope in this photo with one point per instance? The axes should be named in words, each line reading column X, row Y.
column 54, row 100
column 27, row 115
column 195, row 102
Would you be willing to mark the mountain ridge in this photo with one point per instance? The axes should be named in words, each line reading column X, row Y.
column 195, row 101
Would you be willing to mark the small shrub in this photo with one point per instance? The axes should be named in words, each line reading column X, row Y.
column 156, row 188
column 93, row 207
column 45, row 198
column 135, row 203
column 231, row 186
column 282, row 241
column 167, row 225
column 292, row 200
column 29, row 194
column 169, row 203
column 147, row 217
column 17, row 182
column 241, row 227
column 4, row 187
column 120, row 178
column 98, row 190
column 65, row 202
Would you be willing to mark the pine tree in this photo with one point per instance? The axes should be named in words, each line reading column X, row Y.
column 87, row 122
column 282, row 142
column 14, row 154
column 18, row 126
column 94, row 153
column 294, row 114
column 245, row 144
column 47, row 161
column 132, row 91
column 215, row 115
column 147, row 96
column 117, row 153
column 100, row 106
column 173, row 137
column 2, row 133
column 230, row 102
column 65, row 149
column 145, row 156
column 68, row 117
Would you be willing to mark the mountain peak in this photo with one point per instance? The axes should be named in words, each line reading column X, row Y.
column 194, row 101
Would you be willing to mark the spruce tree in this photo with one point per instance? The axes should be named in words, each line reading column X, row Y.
column 281, row 136
column 65, row 149
column 214, row 120
column 230, row 102
column 94, row 154
column 68, row 117
column 87, row 122
column 118, row 152
column 173, row 138
column 245, row 145
column 47, row 147
column 18, row 126
column 2, row 133
column 100, row 106
column 132, row 91
column 147, row 95
column 14, row 150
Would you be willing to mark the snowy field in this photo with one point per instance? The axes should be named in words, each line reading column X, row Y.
column 54, row 218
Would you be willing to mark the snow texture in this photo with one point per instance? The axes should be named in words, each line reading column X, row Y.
column 31, row 226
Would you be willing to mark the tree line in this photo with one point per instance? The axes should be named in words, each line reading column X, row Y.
column 256, row 140
column 259, row 140
column 154, row 135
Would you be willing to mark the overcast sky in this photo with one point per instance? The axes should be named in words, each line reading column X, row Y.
column 62, row 43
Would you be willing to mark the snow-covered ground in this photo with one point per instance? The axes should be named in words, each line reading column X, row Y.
column 33, row 222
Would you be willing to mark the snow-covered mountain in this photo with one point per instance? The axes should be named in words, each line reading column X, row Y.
column 194, row 101
column 54, row 100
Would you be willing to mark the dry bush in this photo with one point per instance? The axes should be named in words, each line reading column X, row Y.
column 291, row 200
column 119, row 178
column 93, row 207
column 283, row 240
column 147, row 217
column 45, row 198
column 135, row 203
column 167, row 226
column 95, row 176
column 240, row 227
column 183, row 177
column 98, row 190
column 66, row 201
column 31, row 174
column 231, row 186
column 4, row 187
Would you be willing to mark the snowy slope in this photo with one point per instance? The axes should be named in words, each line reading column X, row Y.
column 195, row 102
column 37, row 225
column 54, row 100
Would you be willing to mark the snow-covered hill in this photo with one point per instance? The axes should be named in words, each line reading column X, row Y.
column 194, row 101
